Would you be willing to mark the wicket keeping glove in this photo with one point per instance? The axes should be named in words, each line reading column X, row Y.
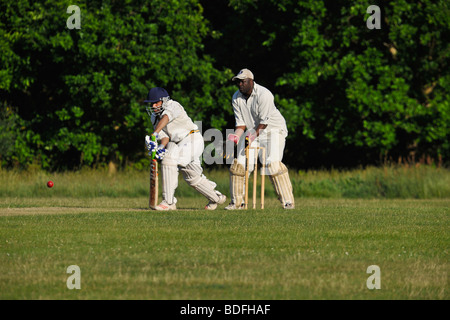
column 251, row 136
column 233, row 137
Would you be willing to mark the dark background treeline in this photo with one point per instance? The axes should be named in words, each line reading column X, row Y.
column 351, row 95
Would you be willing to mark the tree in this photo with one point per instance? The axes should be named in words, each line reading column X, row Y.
column 351, row 95
column 79, row 92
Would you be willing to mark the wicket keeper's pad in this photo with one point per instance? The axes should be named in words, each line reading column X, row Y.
column 237, row 180
column 192, row 174
column 279, row 177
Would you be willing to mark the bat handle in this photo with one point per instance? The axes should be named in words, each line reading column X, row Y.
column 154, row 152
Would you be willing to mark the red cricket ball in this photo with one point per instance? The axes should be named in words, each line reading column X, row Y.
column 50, row 184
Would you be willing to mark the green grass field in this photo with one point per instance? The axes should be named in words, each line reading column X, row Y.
column 320, row 250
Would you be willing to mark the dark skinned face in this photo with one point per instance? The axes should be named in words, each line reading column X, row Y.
column 245, row 86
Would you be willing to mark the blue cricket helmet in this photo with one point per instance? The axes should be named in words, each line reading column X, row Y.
column 156, row 94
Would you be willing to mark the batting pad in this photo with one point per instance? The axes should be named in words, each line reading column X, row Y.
column 169, row 174
column 237, row 180
column 279, row 177
column 192, row 174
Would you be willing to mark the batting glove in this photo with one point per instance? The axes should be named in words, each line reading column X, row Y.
column 156, row 135
column 151, row 145
column 160, row 152
column 233, row 137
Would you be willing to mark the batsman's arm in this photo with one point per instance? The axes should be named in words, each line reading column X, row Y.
column 162, row 123
column 164, row 141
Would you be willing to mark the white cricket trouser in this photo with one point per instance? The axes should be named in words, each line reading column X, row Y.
column 273, row 141
column 186, row 155
column 189, row 150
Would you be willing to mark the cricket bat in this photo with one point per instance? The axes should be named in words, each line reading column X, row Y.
column 153, row 201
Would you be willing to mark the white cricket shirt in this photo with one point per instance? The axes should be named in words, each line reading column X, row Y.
column 258, row 109
column 180, row 124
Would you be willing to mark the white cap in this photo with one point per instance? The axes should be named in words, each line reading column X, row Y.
column 243, row 74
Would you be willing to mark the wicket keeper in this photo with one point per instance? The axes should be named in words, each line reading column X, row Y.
column 255, row 110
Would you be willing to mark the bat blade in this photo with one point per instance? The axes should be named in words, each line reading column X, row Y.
column 153, row 201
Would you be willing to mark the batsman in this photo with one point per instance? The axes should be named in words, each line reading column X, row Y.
column 255, row 111
column 180, row 148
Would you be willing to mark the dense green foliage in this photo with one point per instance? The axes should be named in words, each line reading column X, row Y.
column 75, row 96
column 351, row 95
